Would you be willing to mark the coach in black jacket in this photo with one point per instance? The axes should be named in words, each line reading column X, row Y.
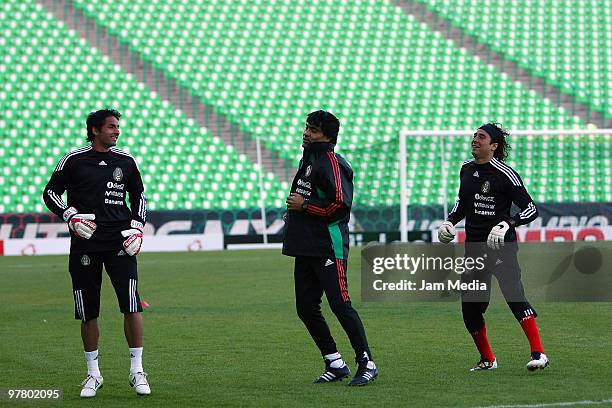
column 316, row 234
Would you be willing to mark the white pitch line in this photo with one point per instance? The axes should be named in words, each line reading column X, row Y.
column 553, row 404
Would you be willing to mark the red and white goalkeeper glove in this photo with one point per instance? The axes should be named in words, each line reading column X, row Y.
column 81, row 224
column 134, row 238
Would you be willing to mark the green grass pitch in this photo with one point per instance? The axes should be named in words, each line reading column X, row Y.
column 222, row 331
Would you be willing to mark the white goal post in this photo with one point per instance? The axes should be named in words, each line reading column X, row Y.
column 441, row 134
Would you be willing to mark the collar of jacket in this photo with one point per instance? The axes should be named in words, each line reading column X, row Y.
column 317, row 149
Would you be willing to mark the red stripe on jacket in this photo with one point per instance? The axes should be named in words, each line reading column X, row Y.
column 316, row 210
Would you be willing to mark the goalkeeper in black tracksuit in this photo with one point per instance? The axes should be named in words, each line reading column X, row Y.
column 488, row 187
column 104, row 232
column 316, row 234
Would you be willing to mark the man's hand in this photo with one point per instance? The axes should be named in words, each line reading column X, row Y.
column 497, row 234
column 295, row 202
column 446, row 232
column 81, row 224
column 134, row 238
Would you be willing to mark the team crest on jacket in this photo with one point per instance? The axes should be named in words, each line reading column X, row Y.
column 486, row 187
column 308, row 170
column 85, row 261
column 118, row 174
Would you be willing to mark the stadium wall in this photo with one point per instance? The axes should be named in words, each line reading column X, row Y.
column 44, row 233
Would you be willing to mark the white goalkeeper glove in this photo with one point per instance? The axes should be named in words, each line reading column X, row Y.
column 81, row 224
column 446, row 232
column 134, row 238
column 497, row 234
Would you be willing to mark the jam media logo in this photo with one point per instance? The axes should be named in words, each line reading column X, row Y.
column 85, row 261
column 118, row 174
column 486, row 187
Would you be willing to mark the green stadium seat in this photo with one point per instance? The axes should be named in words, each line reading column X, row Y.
column 535, row 36
column 383, row 72
column 49, row 109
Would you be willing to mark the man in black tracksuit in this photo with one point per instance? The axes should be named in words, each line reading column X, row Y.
column 488, row 187
column 104, row 232
column 316, row 234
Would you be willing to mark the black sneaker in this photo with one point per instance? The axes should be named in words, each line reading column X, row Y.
column 485, row 365
column 333, row 374
column 366, row 373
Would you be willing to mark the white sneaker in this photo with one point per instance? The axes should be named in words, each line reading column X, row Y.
column 536, row 362
column 485, row 365
column 140, row 383
column 91, row 385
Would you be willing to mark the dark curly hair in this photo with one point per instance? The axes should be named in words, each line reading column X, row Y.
column 498, row 135
column 96, row 120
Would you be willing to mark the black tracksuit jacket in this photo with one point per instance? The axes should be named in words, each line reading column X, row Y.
column 325, row 180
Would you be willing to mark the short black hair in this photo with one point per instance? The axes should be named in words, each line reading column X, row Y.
column 327, row 121
column 96, row 120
